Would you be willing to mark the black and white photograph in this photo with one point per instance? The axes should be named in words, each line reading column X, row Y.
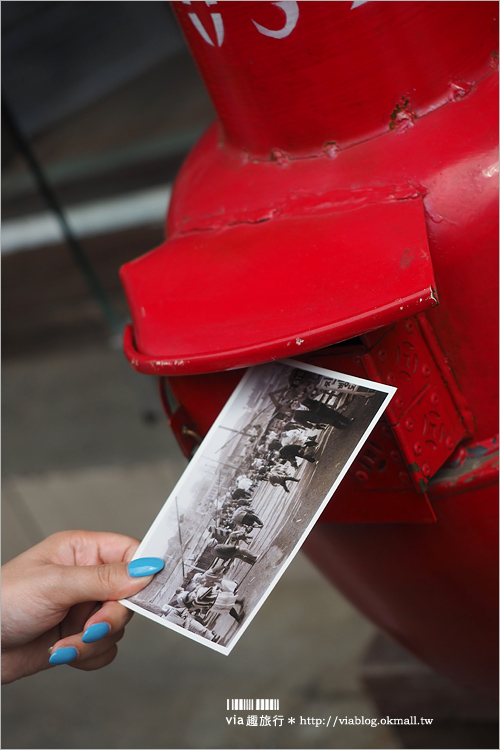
column 254, row 489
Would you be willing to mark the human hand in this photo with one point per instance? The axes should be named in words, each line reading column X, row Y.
column 61, row 595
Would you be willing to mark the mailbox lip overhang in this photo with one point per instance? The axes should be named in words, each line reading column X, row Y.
column 250, row 293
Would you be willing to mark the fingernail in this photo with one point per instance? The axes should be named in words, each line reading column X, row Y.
column 145, row 566
column 95, row 632
column 63, row 655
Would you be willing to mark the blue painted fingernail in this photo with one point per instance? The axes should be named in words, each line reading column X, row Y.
column 63, row 655
column 145, row 566
column 95, row 632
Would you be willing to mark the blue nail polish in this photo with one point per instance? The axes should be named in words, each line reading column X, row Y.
column 63, row 655
column 145, row 566
column 96, row 632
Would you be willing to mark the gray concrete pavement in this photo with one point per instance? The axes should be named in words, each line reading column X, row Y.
column 77, row 453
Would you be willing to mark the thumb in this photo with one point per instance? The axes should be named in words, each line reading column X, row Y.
column 106, row 582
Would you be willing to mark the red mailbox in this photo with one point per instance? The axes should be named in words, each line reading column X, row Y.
column 343, row 209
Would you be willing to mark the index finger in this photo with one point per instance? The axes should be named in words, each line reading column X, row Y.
column 89, row 547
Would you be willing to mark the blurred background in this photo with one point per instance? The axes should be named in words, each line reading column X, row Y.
column 110, row 102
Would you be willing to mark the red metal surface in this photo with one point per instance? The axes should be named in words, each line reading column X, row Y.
column 206, row 395
column 351, row 270
column 338, row 74
column 478, row 469
column 379, row 488
column 431, row 586
column 426, row 422
column 330, row 111
column 180, row 422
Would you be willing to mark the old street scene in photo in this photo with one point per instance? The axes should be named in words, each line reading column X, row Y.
column 250, row 495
